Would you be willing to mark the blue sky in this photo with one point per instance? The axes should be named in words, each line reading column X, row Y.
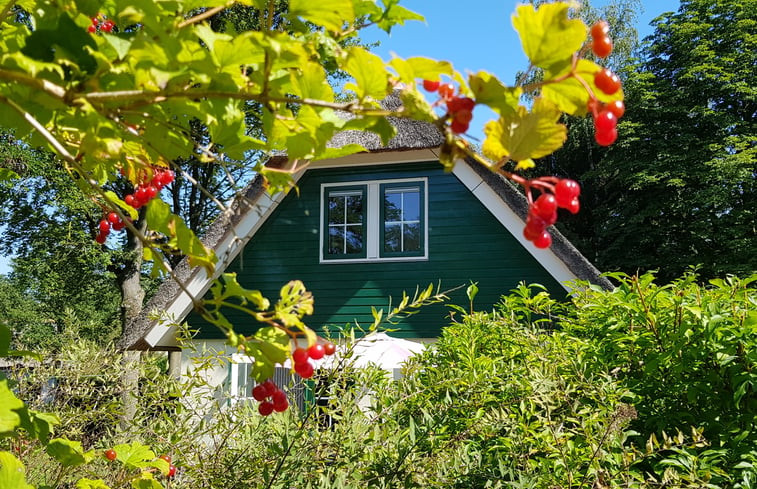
column 475, row 35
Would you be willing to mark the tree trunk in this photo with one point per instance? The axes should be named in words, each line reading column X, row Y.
column 132, row 298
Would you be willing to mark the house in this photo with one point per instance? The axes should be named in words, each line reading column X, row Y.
column 365, row 228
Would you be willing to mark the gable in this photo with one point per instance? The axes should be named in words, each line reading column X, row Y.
column 466, row 243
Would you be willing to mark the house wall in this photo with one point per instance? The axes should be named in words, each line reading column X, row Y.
column 465, row 243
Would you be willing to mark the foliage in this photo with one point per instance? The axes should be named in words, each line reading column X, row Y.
column 689, row 354
column 679, row 187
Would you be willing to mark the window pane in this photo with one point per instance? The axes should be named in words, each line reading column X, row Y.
column 392, row 206
column 411, row 206
column 392, row 237
column 336, row 240
column 412, row 237
column 336, row 210
column 354, row 209
column 354, row 237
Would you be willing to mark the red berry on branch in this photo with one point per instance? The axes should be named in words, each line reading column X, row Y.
column 605, row 121
column 602, row 46
column 431, row 85
column 104, row 226
column 329, row 348
column 305, row 370
column 113, row 218
column 151, row 192
column 463, row 116
column 457, row 104
column 91, row 29
column 459, row 127
column 574, row 206
column 300, row 355
column 565, row 191
column 599, row 29
column 545, row 206
column 108, row 25
column 130, row 200
column 280, row 402
column 544, row 240
column 605, row 138
column 269, row 387
column 316, row 352
column 259, row 393
column 607, row 81
column 141, row 194
column 446, row 91
column 101, row 238
column 167, row 177
column 617, row 107
column 110, row 454
column 265, row 408
column 165, row 457
column 117, row 226
column 171, row 470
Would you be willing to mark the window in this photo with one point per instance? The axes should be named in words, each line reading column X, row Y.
column 377, row 220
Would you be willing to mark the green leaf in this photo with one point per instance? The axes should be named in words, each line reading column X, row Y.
column 135, row 455
column 488, row 90
column 369, row 73
column 146, row 481
column 526, row 135
column 12, row 472
column 274, row 343
column 160, row 218
column 547, row 34
column 395, row 14
column 331, row 14
column 38, row 425
column 311, row 82
column 411, row 69
column 7, row 174
column 9, row 404
column 120, row 43
column 91, row 484
column 69, row 453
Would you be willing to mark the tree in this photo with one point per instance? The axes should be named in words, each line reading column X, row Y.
column 679, row 187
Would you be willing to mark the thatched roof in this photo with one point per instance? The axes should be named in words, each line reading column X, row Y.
column 411, row 135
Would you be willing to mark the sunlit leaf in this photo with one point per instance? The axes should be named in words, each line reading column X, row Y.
column 547, row 34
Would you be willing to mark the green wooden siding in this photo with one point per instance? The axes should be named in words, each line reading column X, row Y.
column 466, row 243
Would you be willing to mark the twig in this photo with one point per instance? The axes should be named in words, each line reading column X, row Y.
column 208, row 13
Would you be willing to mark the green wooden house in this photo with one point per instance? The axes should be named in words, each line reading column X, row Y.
column 363, row 229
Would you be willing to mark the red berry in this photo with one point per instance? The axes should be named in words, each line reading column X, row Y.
column 607, row 81
column 259, row 392
column 446, row 91
column 605, row 138
column 92, row 28
column 535, row 226
column 171, row 470
column 108, row 25
column 459, row 127
column 269, row 387
column 329, row 348
column 165, row 457
column 117, row 226
column 565, row 191
column 167, row 177
column 316, row 352
column 305, row 370
column 110, row 454
column 545, row 206
column 600, row 29
column 457, row 104
column 617, row 107
column 141, row 194
column 113, row 218
column 605, row 121
column 280, row 402
column 265, row 408
column 101, row 238
column 463, row 116
column 574, row 206
column 602, row 46
column 130, row 200
column 431, row 85
column 544, row 240
column 300, row 355
column 95, row 21
column 151, row 192
column 104, row 227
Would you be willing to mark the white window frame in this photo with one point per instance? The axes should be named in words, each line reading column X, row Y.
column 373, row 221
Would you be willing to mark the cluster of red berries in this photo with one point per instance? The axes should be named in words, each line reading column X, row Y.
column 542, row 212
column 111, row 455
column 149, row 188
column 111, row 221
column 271, row 398
column 100, row 23
column 605, row 117
column 301, row 357
column 459, row 108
